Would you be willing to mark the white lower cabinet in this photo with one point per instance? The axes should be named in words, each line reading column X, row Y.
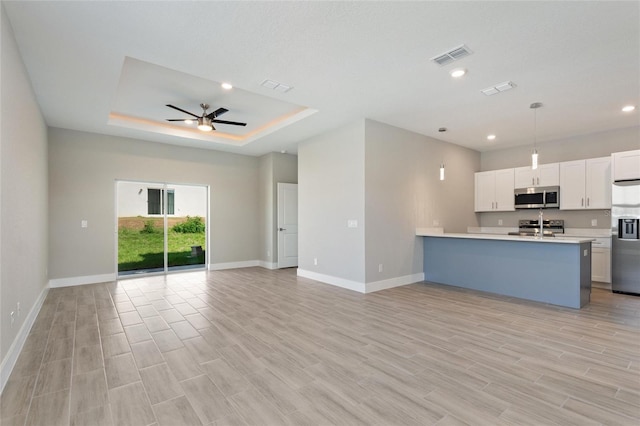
column 601, row 260
column 601, row 265
column 600, row 257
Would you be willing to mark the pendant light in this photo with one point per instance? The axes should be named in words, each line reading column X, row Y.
column 534, row 155
column 442, row 171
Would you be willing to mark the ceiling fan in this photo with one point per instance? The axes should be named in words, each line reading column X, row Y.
column 205, row 122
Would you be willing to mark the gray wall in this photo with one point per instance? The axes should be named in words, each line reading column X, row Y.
column 330, row 192
column 83, row 168
column 403, row 192
column 274, row 168
column 23, row 192
column 387, row 179
column 594, row 145
column 265, row 200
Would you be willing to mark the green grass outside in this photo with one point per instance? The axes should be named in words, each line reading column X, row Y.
column 139, row 250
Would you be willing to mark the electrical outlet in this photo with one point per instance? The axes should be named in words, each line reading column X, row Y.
column 315, row 261
column 13, row 317
column 268, row 253
column 594, row 222
column 84, row 223
column 380, row 267
column 352, row 223
column 499, row 222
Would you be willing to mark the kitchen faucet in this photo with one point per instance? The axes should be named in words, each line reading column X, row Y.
column 540, row 222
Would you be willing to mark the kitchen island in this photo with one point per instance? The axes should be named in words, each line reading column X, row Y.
column 550, row 270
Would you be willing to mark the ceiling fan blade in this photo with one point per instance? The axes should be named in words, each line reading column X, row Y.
column 180, row 119
column 217, row 113
column 181, row 110
column 234, row 123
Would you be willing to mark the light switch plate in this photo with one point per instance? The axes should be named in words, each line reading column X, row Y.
column 84, row 223
column 352, row 223
column 594, row 222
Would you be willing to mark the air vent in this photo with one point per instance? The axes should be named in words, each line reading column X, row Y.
column 500, row 87
column 274, row 85
column 452, row 55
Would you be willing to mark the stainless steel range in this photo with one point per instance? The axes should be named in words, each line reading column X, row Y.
column 531, row 227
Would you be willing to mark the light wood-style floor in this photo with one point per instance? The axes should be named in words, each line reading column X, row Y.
column 259, row 347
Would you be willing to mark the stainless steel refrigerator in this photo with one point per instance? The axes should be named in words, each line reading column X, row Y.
column 625, row 237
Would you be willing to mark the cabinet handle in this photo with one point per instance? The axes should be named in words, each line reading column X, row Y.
column 587, row 201
column 582, row 202
column 496, row 205
column 538, row 179
column 533, row 181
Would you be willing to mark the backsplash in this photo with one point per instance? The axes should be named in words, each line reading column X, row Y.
column 572, row 218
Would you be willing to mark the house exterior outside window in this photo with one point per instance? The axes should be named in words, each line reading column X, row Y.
column 155, row 201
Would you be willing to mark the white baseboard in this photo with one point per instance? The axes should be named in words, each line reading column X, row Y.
column 362, row 287
column 233, row 265
column 89, row 279
column 11, row 357
column 600, row 284
column 394, row 282
column 329, row 279
column 268, row 265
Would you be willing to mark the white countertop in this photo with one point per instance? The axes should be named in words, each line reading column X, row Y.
column 429, row 232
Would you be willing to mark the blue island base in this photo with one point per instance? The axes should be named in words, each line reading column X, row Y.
column 559, row 274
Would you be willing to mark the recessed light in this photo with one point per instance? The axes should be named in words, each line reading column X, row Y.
column 458, row 72
column 491, row 137
column 226, row 86
column 628, row 108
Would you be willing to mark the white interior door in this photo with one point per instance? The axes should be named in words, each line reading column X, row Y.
column 287, row 225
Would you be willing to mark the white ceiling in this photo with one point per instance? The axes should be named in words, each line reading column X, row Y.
column 110, row 67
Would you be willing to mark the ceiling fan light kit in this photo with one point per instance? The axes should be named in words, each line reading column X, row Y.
column 205, row 125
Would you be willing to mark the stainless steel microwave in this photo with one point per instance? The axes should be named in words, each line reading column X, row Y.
column 543, row 197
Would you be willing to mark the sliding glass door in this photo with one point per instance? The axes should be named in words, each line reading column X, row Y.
column 161, row 227
column 186, row 238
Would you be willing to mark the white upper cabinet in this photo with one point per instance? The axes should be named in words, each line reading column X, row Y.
column 585, row 184
column 544, row 175
column 494, row 191
column 572, row 182
column 598, row 183
column 626, row 165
